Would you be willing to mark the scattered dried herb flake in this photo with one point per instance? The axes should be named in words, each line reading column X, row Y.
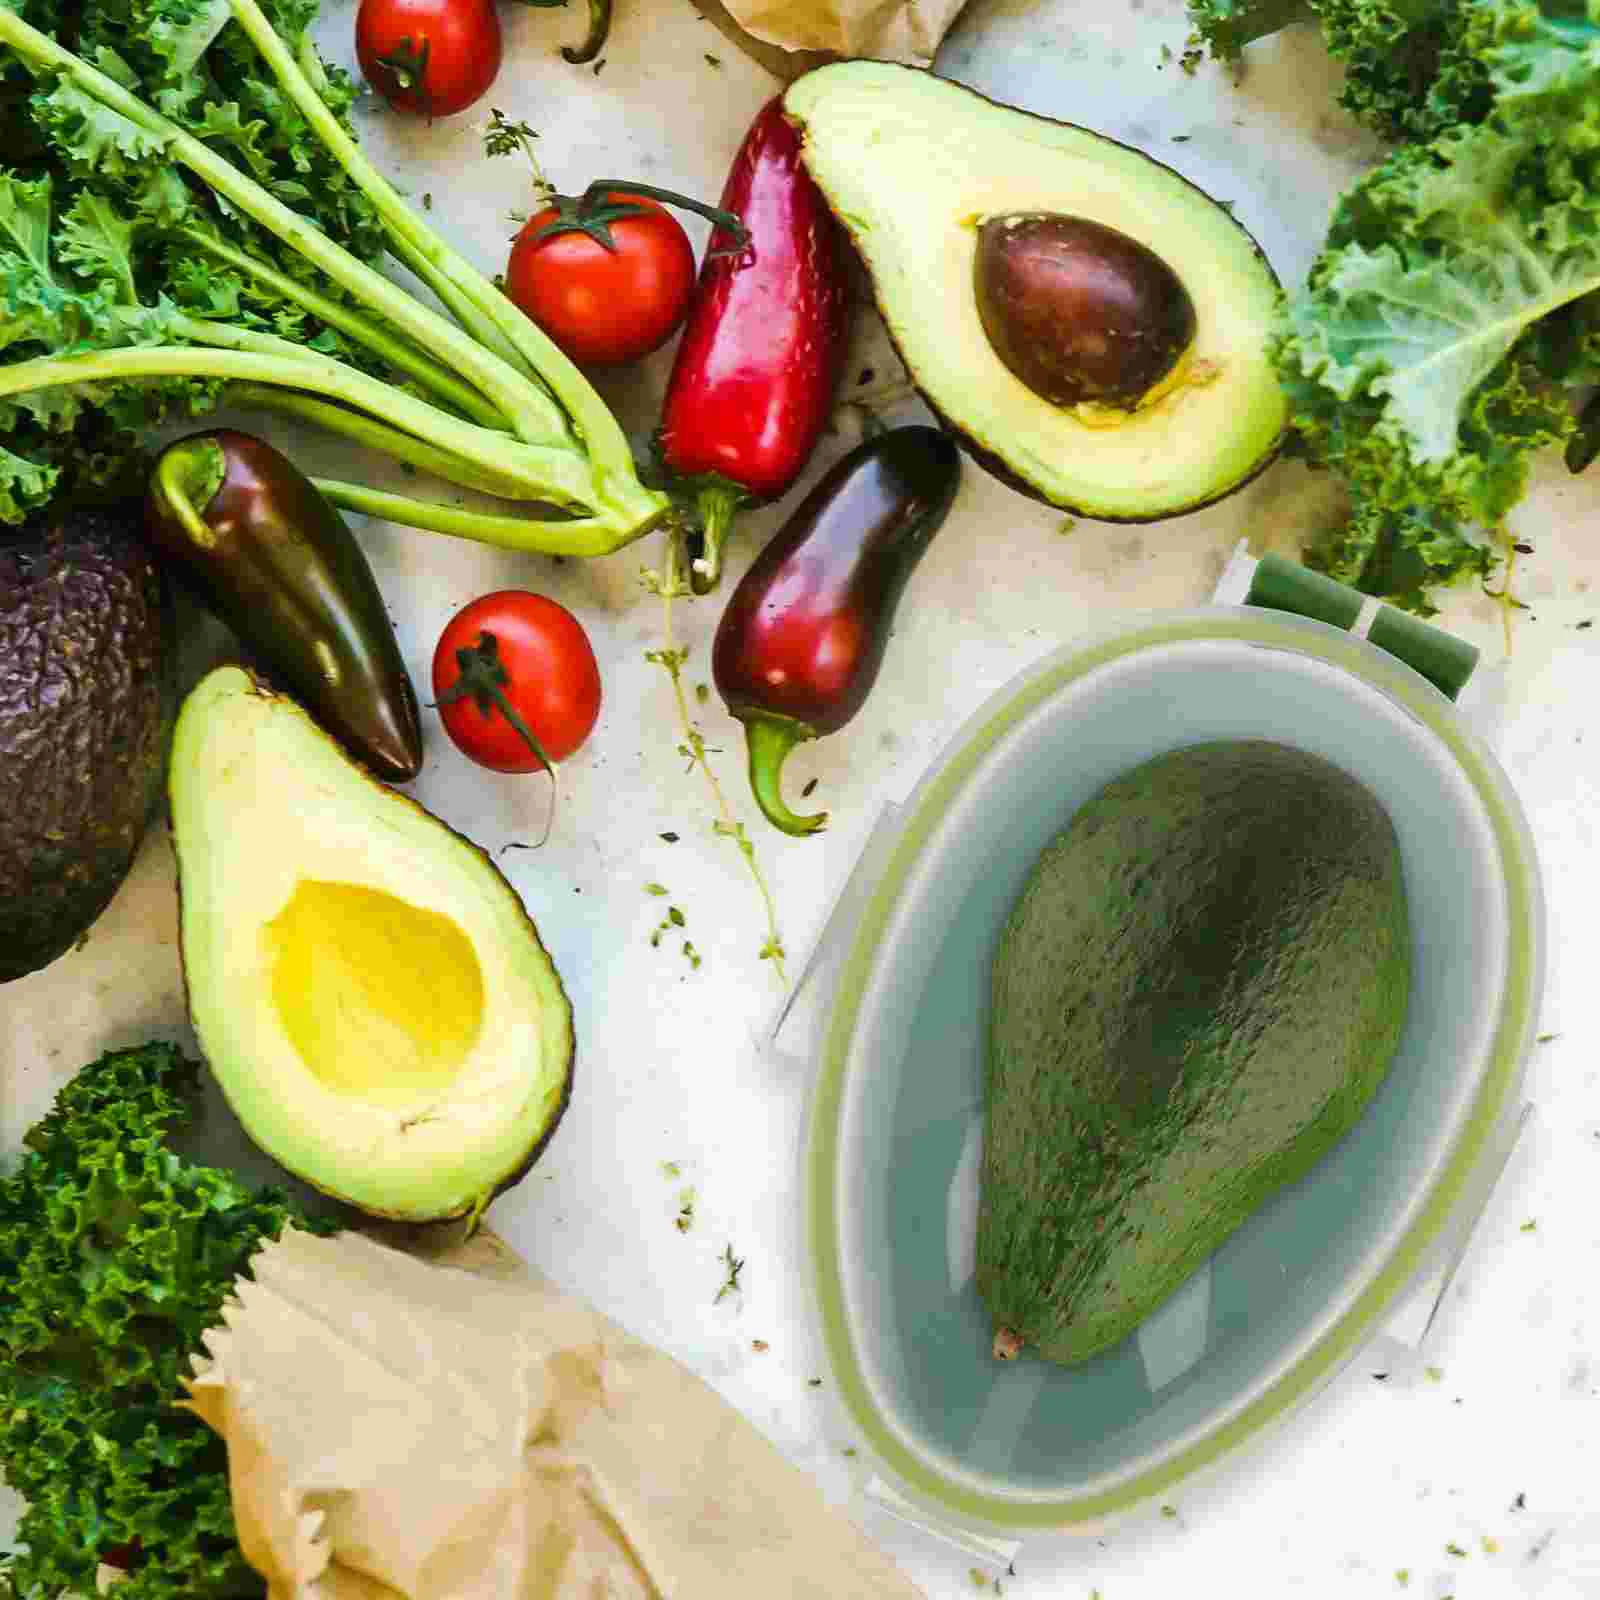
column 732, row 1266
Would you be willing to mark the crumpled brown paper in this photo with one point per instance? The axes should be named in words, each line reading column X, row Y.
column 885, row 30
column 461, row 1429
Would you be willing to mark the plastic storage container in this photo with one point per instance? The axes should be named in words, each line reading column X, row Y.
column 891, row 1013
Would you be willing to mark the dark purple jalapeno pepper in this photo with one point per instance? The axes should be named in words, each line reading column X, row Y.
column 801, row 641
column 275, row 560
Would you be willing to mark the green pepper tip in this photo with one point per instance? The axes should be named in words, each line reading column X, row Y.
column 716, row 502
column 185, row 481
column 769, row 739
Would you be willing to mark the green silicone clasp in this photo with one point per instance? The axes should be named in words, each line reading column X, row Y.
column 1445, row 660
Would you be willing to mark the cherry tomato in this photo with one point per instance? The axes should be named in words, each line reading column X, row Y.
column 550, row 680
column 604, row 307
column 433, row 57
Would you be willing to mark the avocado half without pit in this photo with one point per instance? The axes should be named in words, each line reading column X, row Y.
column 367, row 989
column 1091, row 325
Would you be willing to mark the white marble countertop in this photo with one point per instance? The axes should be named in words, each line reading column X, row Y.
column 1487, row 1449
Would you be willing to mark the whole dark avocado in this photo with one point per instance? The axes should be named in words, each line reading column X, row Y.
column 86, row 706
column 1201, row 987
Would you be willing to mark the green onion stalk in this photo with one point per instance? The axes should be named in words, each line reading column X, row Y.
column 491, row 404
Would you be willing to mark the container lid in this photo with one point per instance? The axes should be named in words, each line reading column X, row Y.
column 891, row 1009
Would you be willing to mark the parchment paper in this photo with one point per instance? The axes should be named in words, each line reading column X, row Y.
column 887, row 30
column 461, row 1429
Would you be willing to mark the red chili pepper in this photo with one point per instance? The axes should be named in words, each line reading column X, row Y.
column 764, row 346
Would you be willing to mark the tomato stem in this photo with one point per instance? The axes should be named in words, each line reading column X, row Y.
column 594, row 197
column 407, row 64
column 609, row 201
column 483, row 679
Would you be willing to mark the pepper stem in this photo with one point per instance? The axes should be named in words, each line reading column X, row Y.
column 715, row 505
column 769, row 739
column 188, row 474
column 594, row 41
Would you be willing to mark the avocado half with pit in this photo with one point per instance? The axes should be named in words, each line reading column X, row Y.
column 367, row 989
column 1090, row 324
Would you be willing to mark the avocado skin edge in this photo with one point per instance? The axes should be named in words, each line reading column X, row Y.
column 1195, row 997
column 987, row 459
column 87, row 766
column 346, row 1211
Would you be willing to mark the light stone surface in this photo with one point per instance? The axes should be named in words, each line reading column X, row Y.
column 1375, row 1477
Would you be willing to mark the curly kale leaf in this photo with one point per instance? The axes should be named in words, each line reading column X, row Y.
column 1411, row 69
column 120, row 1255
column 1225, row 27
column 1475, row 257
column 98, row 232
column 73, row 267
column 1456, row 304
column 194, row 64
column 26, row 483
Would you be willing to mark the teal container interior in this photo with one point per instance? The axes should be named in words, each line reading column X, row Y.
column 897, row 1115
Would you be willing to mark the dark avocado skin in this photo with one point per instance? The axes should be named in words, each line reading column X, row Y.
column 87, row 698
column 1196, row 995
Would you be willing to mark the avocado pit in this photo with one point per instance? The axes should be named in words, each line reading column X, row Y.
column 1078, row 311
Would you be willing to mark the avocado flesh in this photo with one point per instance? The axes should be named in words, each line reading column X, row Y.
column 1197, row 993
column 86, row 703
column 913, row 164
column 370, row 995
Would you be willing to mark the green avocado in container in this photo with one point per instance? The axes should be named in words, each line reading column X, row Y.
column 1313, row 1268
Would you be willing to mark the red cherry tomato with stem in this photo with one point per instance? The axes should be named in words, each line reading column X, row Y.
column 514, row 657
column 606, row 274
column 603, row 306
column 430, row 57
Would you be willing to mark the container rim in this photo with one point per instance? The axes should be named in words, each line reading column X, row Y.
column 1511, row 1040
